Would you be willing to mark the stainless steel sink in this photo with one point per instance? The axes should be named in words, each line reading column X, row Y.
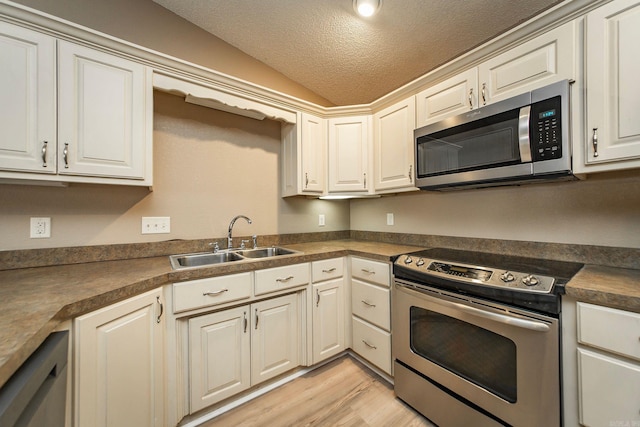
column 266, row 252
column 202, row 259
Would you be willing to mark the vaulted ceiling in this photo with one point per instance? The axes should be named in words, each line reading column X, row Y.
column 325, row 46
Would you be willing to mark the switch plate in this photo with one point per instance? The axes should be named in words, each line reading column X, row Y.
column 390, row 219
column 40, row 228
column 321, row 222
column 156, row 224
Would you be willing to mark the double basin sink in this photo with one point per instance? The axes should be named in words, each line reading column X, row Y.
column 203, row 259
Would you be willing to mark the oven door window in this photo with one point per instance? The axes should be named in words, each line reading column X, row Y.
column 490, row 142
column 476, row 354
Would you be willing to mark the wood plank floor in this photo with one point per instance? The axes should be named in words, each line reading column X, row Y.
column 341, row 393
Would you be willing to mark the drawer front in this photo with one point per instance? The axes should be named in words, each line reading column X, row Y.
column 275, row 279
column 210, row 291
column 371, row 271
column 327, row 269
column 373, row 344
column 371, row 302
column 609, row 329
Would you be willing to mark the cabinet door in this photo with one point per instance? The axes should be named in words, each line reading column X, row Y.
column 328, row 319
column 348, row 154
column 275, row 337
column 393, row 145
column 546, row 59
column 102, row 114
column 451, row 97
column 313, row 147
column 119, row 364
column 613, row 88
column 28, row 100
column 609, row 390
column 219, row 356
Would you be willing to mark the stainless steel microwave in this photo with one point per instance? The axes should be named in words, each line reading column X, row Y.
column 519, row 140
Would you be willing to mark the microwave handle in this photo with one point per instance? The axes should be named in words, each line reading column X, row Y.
column 524, row 141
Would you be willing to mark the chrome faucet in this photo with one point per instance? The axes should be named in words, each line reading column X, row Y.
column 233, row 221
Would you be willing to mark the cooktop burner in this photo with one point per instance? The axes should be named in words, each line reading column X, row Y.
column 525, row 282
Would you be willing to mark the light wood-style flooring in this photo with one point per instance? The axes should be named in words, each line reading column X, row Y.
column 342, row 393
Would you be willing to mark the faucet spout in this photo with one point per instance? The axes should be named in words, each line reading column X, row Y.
column 233, row 221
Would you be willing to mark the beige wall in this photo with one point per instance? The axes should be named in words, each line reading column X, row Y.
column 209, row 167
column 148, row 24
column 603, row 210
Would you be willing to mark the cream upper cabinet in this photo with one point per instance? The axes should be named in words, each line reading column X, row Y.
column 28, row 102
column 456, row 95
column 349, row 154
column 119, row 372
column 393, row 146
column 102, row 114
column 304, row 153
column 612, row 88
column 546, row 59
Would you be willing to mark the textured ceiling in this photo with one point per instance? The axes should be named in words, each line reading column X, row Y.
column 325, row 46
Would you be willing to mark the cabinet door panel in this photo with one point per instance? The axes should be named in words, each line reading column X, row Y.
column 453, row 96
column 28, row 104
column 219, row 358
column 613, row 88
column 275, row 337
column 348, row 151
column 119, row 368
column 101, row 114
column 313, row 145
column 328, row 319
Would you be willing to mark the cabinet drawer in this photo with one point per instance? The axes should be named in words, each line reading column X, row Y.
column 609, row 390
column 373, row 344
column 275, row 279
column 371, row 303
column 210, row 291
column 609, row 329
column 371, row 271
column 326, row 269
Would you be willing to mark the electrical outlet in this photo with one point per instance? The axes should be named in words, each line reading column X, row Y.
column 321, row 222
column 156, row 224
column 40, row 228
column 390, row 219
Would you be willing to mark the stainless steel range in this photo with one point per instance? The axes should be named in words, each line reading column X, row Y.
column 476, row 337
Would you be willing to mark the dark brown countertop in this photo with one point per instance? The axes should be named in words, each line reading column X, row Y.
column 34, row 301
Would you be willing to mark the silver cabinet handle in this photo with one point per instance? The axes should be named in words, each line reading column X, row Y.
column 161, row 310
column 364, row 270
column 44, row 154
column 317, row 297
column 594, row 141
column 484, row 94
column 286, row 279
column 369, row 345
column 331, row 270
column 244, row 320
column 365, row 180
column 368, row 304
column 306, row 180
column 471, row 99
column 411, row 173
column 215, row 293
column 65, row 155
column 257, row 319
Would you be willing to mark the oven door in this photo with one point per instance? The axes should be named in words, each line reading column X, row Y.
column 504, row 361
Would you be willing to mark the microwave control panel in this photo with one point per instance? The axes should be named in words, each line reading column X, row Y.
column 546, row 134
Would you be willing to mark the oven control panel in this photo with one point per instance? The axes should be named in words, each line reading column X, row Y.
column 488, row 276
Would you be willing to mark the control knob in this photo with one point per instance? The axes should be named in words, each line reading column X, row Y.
column 420, row 262
column 507, row 277
column 530, row 280
column 408, row 260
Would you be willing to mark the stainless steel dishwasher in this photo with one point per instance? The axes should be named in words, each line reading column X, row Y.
column 36, row 394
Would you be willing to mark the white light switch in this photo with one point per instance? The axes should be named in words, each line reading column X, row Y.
column 156, row 224
column 390, row 219
column 321, row 220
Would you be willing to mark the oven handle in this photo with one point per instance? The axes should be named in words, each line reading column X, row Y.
column 512, row 321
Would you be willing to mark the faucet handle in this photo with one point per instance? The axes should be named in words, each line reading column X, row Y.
column 216, row 247
column 255, row 241
column 242, row 244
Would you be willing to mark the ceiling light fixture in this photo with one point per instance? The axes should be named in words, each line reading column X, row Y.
column 367, row 8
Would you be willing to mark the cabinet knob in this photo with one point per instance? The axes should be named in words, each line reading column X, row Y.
column 471, row 99
column 44, row 154
column 484, row 94
column 594, row 141
column 161, row 309
column 65, row 155
column 317, row 297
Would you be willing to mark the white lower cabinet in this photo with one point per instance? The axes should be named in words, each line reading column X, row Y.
column 234, row 349
column 328, row 311
column 608, row 366
column 119, row 372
